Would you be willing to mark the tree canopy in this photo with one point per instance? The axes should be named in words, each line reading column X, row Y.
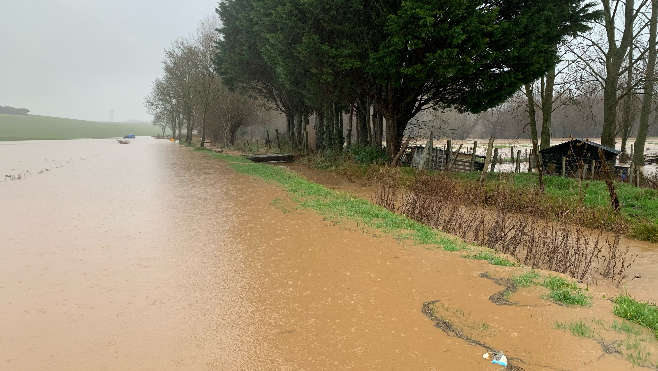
column 405, row 56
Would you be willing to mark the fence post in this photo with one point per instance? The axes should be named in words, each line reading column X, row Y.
column 518, row 161
column 564, row 162
column 530, row 157
column 475, row 147
column 593, row 168
column 487, row 160
column 512, row 154
column 494, row 161
column 448, row 153
column 584, row 175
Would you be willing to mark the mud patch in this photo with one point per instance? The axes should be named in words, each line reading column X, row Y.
column 452, row 330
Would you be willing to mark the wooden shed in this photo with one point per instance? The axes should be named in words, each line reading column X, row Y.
column 579, row 157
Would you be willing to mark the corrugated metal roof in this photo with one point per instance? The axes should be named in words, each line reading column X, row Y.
column 589, row 143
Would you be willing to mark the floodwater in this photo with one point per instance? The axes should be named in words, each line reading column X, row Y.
column 642, row 276
column 149, row 256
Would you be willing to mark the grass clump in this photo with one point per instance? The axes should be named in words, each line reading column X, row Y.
column 492, row 258
column 526, row 279
column 577, row 328
column 565, row 291
column 644, row 314
column 561, row 290
column 624, row 327
column 645, row 231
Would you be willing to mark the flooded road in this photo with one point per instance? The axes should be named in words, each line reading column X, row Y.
column 148, row 256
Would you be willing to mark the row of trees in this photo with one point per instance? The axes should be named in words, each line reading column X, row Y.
column 388, row 59
column 523, row 68
column 7, row 110
column 190, row 96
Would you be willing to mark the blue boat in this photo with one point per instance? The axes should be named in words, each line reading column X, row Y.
column 130, row 136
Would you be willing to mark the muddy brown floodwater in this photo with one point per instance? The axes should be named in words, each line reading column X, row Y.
column 148, row 256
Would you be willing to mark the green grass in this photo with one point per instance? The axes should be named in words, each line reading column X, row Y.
column 577, row 328
column 526, row 279
column 636, row 353
column 645, row 231
column 639, row 206
column 30, row 127
column 342, row 205
column 644, row 314
column 624, row 327
column 565, row 291
column 561, row 290
column 223, row 157
column 492, row 258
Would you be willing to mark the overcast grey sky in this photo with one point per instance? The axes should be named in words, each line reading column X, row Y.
column 82, row 58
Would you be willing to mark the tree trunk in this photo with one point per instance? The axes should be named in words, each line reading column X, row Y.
column 378, row 123
column 203, row 128
column 614, row 58
column 339, row 128
column 349, row 130
column 531, row 111
column 329, row 126
column 299, row 130
column 610, row 102
column 360, row 132
column 367, row 123
column 638, row 157
column 626, row 115
column 190, row 127
column 547, row 108
column 395, row 125
column 290, row 123
column 319, row 129
column 173, row 129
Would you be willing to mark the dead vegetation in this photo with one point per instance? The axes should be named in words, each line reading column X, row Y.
column 507, row 221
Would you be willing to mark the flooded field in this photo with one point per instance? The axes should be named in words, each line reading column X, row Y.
column 148, row 256
column 506, row 146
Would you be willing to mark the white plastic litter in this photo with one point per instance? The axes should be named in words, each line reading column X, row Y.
column 500, row 359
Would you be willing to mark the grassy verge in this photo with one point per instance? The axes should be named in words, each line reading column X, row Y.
column 221, row 156
column 560, row 290
column 342, row 205
column 644, row 314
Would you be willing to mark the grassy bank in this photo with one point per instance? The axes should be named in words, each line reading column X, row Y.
column 586, row 203
column 29, row 127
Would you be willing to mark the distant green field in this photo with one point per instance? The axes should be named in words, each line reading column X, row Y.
column 29, row 127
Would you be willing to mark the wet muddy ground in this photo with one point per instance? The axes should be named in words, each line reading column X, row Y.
column 151, row 257
column 642, row 281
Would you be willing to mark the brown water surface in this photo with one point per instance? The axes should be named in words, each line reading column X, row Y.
column 148, row 256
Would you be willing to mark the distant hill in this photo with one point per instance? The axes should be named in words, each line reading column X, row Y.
column 30, row 127
column 13, row 111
